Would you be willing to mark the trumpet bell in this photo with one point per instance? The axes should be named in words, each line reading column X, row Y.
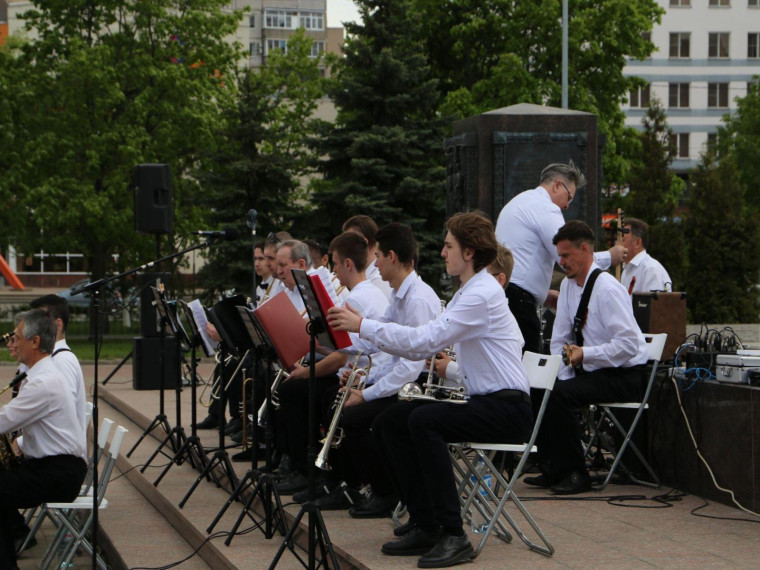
column 409, row 391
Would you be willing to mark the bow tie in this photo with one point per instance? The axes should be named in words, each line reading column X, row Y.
column 263, row 285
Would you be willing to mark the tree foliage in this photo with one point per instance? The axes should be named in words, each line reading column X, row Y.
column 97, row 88
column 384, row 155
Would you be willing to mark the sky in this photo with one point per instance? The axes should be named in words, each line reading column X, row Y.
column 340, row 11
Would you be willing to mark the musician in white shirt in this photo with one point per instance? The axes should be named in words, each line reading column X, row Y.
column 641, row 272
column 366, row 226
column 54, row 446
column 413, row 436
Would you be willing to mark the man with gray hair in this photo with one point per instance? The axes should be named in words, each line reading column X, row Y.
column 642, row 272
column 54, row 447
column 526, row 225
column 292, row 254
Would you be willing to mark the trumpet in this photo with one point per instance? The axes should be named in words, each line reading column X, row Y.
column 273, row 394
column 433, row 392
column 334, row 435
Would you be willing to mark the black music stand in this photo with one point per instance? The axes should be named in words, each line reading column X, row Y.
column 235, row 339
column 192, row 448
column 317, row 535
column 263, row 482
column 160, row 419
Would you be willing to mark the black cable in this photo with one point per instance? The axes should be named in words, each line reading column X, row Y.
column 707, row 503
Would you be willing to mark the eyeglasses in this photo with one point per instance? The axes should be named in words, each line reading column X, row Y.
column 569, row 196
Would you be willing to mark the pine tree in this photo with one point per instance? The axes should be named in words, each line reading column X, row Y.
column 384, row 153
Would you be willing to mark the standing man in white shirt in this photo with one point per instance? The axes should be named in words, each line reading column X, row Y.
column 641, row 272
column 526, row 225
column 413, row 436
column 53, row 444
column 607, row 357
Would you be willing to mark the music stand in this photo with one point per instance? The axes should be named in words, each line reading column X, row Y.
column 192, row 447
column 264, row 488
column 235, row 339
column 318, row 536
column 160, row 419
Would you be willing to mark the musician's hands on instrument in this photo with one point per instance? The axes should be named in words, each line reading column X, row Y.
column 298, row 371
column 441, row 362
column 344, row 318
column 354, row 398
column 618, row 254
column 551, row 299
column 16, row 449
column 572, row 355
column 212, row 332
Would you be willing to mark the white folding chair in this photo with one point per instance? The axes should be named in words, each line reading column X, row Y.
column 490, row 500
column 76, row 517
column 655, row 346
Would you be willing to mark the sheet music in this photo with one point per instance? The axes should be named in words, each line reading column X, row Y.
column 200, row 319
column 326, row 278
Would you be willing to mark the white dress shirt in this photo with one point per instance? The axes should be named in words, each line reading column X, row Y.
column 527, row 225
column 68, row 364
column 478, row 322
column 611, row 336
column 373, row 276
column 46, row 410
column 649, row 273
column 414, row 304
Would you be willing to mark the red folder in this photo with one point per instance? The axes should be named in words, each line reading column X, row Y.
column 285, row 327
column 340, row 338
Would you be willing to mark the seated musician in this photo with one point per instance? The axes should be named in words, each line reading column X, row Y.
column 366, row 226
column 413, row 303
column 605, row 361
column 413, row 436
column 54, row 447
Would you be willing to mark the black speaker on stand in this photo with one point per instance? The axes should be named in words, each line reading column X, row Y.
column 152, row 187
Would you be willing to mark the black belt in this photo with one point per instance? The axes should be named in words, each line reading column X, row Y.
column 508, row 395
column 523, row 295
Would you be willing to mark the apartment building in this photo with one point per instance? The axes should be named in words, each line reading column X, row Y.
column 707, row 53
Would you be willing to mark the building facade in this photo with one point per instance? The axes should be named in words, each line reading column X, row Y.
column 707, row 53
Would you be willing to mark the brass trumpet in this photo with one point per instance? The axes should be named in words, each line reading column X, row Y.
column 334, row 435
column 434, row 392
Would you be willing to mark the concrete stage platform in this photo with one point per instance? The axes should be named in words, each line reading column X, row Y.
column 624, row 526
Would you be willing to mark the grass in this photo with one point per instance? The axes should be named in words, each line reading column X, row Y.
column 112, row 349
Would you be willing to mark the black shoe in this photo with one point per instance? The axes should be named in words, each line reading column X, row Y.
column 576, row 482
column 19, row 542
column 404, row 529
column 449, row 551
column 233, row 426
column 237, row 437
column 339, row 499
column 211, row 422
column 416, row 542
column 283, row 469
column 294, row 483
column 321, row 489
column 247, row 455
column 375, row 508
column 543, row 481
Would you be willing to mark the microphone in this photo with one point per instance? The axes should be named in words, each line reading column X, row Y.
column 8, row 336
column 252, row 215
column 227, row 233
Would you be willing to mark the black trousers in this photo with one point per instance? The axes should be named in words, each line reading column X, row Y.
column 413, row 439
column 293, row 415
column 524, row 308
column 559, row 439
column 50, row 479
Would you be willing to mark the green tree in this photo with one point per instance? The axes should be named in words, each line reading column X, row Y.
column 489, row 54
column 105, row 86
column 724, row 254
column 265, row 155
column 384, row 155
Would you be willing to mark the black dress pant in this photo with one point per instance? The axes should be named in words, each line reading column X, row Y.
column 413, row 439
column 293, row 415
column 559, row 439
column 524, row 308
column 49, row 479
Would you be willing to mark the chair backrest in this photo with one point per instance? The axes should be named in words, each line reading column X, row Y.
column 104, row 432
column 88, row 412
column 541, row 369
column 113, row 453
column 655, row 345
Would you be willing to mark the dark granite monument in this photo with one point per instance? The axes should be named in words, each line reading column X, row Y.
column 496, row 155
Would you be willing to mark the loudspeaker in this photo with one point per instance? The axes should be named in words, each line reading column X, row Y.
column 146, row 359
column 152, row 187
column 148, row 311
column 657, row 312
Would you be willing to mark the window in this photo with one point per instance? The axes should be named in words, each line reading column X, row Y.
column 717, row 45
column 753, row 45
column 717, row 94
column 680, row 2
column 679, row 144
column 277, row 45
column 679, row 44
column 712, row 141
column 255, row 48
column 720, row 3
column 317, row 49
column 640, row 97
column 753, row 3
column 678, row 95
column 252, row 21
column 279, row 19
column 313, row 20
